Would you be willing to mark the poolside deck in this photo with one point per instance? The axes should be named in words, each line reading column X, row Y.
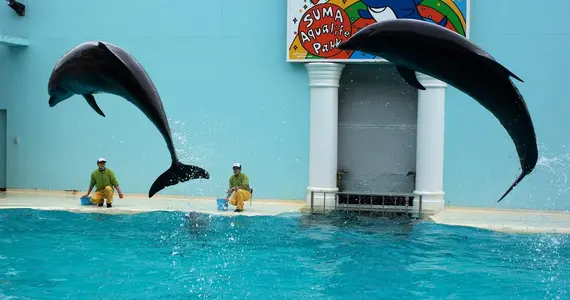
column 516, row 221
column 132, row 204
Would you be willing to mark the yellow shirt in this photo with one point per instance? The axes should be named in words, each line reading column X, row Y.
column 101, row 179
column 239, row 180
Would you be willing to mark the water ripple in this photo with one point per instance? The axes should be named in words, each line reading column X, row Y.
column 60, row 255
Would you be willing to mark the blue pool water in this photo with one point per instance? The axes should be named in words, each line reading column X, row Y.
column 61, row 255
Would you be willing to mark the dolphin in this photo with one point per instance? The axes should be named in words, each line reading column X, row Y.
column 101, row 67
column 451, row 58
column 381, row 10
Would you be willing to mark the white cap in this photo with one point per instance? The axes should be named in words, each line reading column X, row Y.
column 237, row 165
column 101, row 159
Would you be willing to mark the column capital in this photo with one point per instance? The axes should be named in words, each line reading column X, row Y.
column 324, row 74
column 430, row 82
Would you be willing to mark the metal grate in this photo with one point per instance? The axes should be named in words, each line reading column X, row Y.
column 376, row 131
column 387, row 205
column 375, row 200
column 377, row 159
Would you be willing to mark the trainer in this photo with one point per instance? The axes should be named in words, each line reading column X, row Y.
column 104, row 180
column 239, row 185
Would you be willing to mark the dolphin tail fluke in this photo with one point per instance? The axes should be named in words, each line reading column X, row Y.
column 521, row 176
column 178, row 172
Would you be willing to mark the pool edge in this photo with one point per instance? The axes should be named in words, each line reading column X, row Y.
column 495, row 219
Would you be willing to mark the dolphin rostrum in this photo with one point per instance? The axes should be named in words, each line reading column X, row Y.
column 101, row 67
column 450, row 57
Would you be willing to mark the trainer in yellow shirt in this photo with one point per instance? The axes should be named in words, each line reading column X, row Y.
column 103, row 179
column 239, row 183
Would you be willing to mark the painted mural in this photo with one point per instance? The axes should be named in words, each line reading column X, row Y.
column 316, row 27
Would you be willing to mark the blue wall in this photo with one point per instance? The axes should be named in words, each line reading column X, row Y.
column 10, row 23
column 480, row 159
column 221, row 72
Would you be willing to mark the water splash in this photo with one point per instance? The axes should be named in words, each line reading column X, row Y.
column 558, row 166
column 194, row 146
column 186, row 150
column 552, row 263
column 548, row 259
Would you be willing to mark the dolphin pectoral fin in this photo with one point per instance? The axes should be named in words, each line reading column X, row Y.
column 178, row 172
column 409, row 76
column 496, row 64
column 91, row 100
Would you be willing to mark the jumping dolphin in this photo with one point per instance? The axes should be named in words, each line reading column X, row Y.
column 381, row 10
column 101, row 67
column 451, row 58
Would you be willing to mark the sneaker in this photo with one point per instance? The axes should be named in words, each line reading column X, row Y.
column 100, row 204
column 238, row 210
column 109, row 205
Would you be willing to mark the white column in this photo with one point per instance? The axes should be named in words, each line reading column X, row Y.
column 323, row 82
column 429, row 153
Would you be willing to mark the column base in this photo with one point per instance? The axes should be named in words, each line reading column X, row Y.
column 432, row 202
column 323, row 199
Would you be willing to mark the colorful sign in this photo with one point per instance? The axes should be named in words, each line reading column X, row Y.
column 316, row 27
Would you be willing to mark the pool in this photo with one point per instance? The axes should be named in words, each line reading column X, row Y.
column 164, row 255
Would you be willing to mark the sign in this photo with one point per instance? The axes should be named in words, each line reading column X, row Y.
column 315, row 28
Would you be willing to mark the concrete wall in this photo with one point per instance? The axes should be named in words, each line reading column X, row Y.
column 480, row 159
column 220, row 69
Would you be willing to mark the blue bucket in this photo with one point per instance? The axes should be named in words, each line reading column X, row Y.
column 222, row 204
column 86, row 201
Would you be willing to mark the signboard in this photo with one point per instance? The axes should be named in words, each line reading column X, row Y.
column 316, row 27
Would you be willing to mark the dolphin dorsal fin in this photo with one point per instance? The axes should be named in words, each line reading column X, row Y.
column 494, row 63
column 109, row 48
column 104, row 47
column 121, row 56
